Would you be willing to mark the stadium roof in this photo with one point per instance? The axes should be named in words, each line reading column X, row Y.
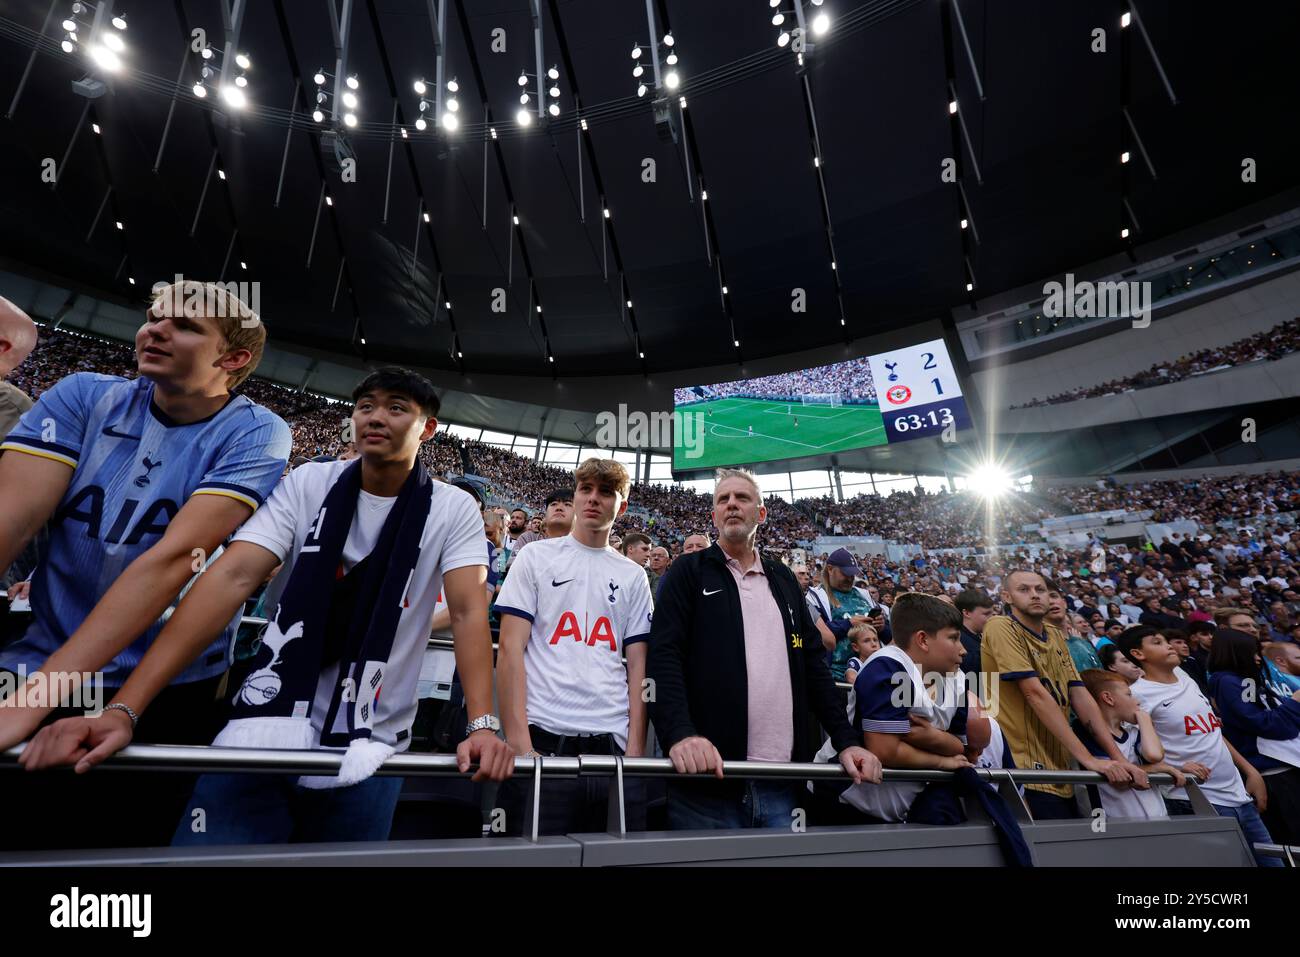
column 1043, row 185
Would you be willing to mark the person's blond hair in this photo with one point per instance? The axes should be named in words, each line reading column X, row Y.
column 1221, row 615
column 606, row 474
column 743, row 474
column 239, row 325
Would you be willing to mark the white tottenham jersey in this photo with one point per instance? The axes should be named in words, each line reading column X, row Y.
column 1191, row 731
column 586, row 605
column 452, row 538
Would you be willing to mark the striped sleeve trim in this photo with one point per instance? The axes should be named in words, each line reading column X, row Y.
column 507, row 610
column 230, row 493
column 1076, row 684
column 252, row 493
column 45, row 450
column 635, row 638
column 886, row 727
column 1018, row 675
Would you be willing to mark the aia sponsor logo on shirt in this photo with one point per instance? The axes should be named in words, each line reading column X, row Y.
column 1201, row 724
column 568, row 627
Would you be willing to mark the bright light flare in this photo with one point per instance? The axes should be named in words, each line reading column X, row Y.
column 989, row 481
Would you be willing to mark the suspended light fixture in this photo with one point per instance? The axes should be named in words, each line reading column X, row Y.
column 105, row 59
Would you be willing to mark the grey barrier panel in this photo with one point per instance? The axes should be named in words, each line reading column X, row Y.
column 882, row 845
column 1183, row 841
column 975, row 846
column 1174, row 842
column 467, row 852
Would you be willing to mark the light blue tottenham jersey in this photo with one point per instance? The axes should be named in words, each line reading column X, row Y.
column 134, row 469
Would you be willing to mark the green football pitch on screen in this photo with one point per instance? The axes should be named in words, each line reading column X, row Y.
column 735, row 431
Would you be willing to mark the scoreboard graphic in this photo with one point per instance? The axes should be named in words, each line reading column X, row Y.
column 918, row 391
column 906, row 393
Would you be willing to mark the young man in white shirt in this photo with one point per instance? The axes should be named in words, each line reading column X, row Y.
column 1192, row 736
column 366, row 545
column 571, row 609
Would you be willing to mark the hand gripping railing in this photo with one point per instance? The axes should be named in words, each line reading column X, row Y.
column 207, row 759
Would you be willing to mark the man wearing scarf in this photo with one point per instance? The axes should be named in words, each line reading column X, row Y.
column 367, row 545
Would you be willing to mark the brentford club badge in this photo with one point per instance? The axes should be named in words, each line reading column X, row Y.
column 898, row 394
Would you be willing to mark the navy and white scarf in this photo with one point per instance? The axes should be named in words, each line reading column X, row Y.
column 273, row 707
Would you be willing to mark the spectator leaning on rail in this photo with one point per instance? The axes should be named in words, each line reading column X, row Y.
column 1192, row 733
column 735, row 666
column 899, row 720
column 135, row 477
column 367, row 545
column 1039, row 688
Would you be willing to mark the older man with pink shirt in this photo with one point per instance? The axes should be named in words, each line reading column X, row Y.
column 738, row 672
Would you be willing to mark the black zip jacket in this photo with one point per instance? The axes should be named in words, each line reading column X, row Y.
column 696, row 660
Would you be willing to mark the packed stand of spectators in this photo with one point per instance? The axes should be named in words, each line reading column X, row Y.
column 1204, row 500
column 931, row 519
column 1043, row 619
column 851, row 380
column 1281, row 340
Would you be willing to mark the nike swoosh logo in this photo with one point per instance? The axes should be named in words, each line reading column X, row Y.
column 707, row 592
column 109, row 430
column 1166, row 704
column 558, row 584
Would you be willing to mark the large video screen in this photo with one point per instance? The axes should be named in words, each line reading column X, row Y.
column 894, row 396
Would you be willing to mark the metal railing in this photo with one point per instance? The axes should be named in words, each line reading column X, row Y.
column 208, row 759
column 1289, row 853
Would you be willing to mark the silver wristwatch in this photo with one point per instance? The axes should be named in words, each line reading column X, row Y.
column 488, row 722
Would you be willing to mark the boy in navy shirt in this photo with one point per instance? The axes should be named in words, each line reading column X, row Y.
column 912, row 704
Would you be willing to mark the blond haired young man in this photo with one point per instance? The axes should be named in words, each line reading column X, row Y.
column 140, row 480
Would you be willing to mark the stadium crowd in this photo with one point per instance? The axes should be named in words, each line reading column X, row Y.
column 851, row 380
column 1156, row 632
column 1283, row 339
